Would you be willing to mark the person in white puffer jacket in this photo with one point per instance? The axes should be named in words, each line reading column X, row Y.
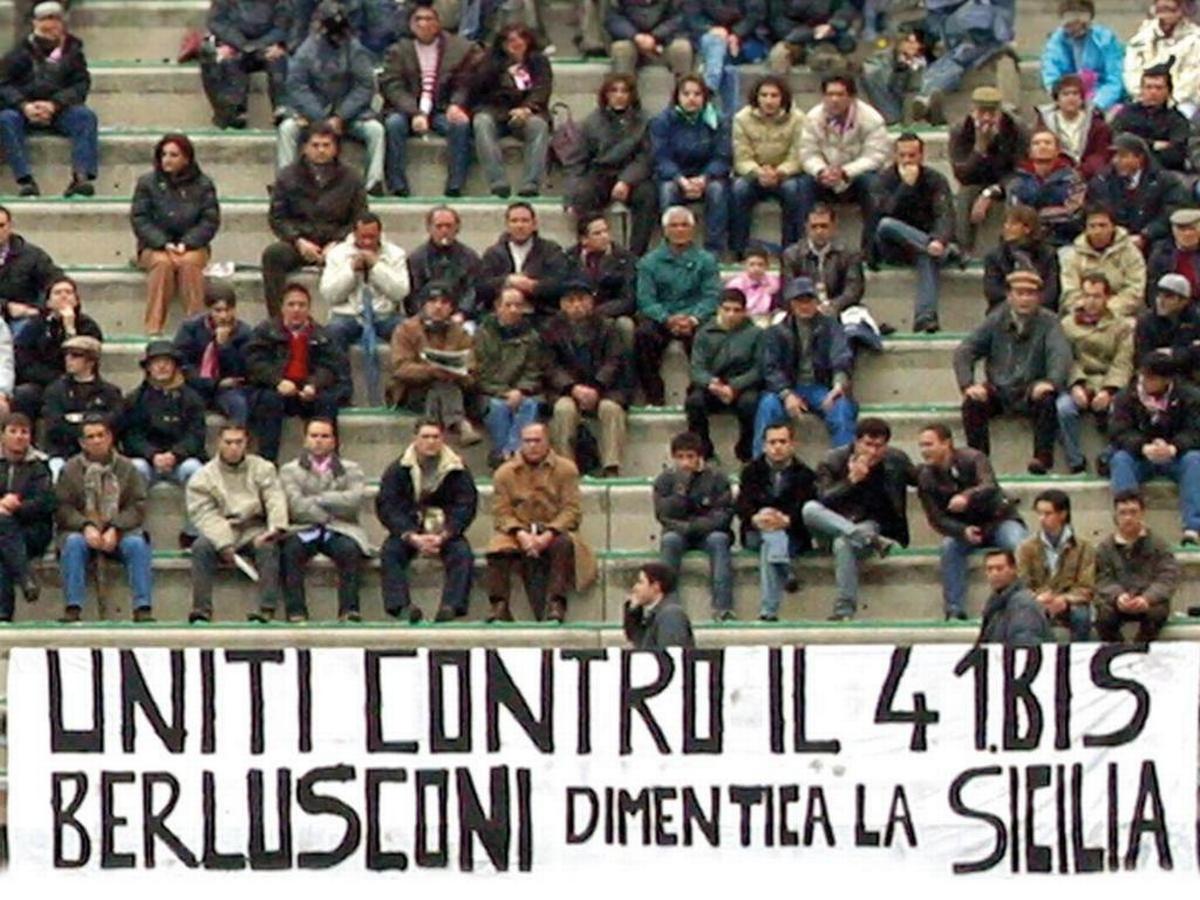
column 362, row 265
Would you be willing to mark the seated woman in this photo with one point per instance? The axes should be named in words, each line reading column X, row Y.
column 1021, row 247
column 1082, row 132
column 615, row 165
column 511, row 95
column 175, row 218
column 692, row 155
column 38, row 349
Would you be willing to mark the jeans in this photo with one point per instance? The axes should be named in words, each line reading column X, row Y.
column 347, row 330
column 536, row 135
column 1070, row 429
column 857, row 191
column 720, row 561
column 368, row 131
column 850, row 542
column 504, row 423
column 720, row 69
column 458, row 140
column 397, row 554
column 840, row 421
column 1079, row 621
column 893, row 232
column 716, row 209
column 1128, row 472
column 772, row 576
column 955, row 552
column 133, row 550
column 747, row 192
column 205, row 560
column 180, row 474
column 78, row 123
column 346, row 557
column 234, row 404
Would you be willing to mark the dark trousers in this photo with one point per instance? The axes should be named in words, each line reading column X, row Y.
column 858, row 191
column 27, row 399
column 650, row 341
column 227, row 82
column 550, row 575
column 592, row 192
column 269, row 409
column 700, row 404
column 16, row 549
column 1043, row 413
column 279, row 260
column 347, row 558
column 205, row 560
column 456, row 556
column 1109, row 620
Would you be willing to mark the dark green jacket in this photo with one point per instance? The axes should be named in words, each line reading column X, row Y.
column 504, row 364
column 729, row 356
column 678, row 284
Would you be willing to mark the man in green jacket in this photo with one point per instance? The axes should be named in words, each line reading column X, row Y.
column 677, row 288
column 725, row 373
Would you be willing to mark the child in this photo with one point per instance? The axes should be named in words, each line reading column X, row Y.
column 760, row 286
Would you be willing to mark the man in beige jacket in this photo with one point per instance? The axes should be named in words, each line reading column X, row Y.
column 239, row 509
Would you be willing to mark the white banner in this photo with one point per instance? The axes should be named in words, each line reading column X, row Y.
column 941, row 759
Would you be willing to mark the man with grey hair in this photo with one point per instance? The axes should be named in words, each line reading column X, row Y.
column 678, row 284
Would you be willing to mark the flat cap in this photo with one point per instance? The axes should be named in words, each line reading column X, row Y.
column 1024, row 277
column 1185, row 217
column 49, row 9
column 82, row 343
column 987, row 96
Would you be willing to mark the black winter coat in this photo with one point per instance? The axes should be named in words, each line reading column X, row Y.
column 546, row 264
column 617, row 144
column 64, row 405
column 250, row 25
column 599, row 360
column 39, row 355
column 1166, row 258
column 1014, row 618
column 300, row 208
column 1130, row 425
column 614, row 281
column 831, row 354
column 266, row 356
column 994, row 166
column 835, row 490
column 693, row 504
column 664, row 19
column 1007, row 258
column 794, row 21
column 494, row 91
column 970, row 473
column 927, row 205
column 797, row 486
column 29, row 479
column 842, row 272
column 457, row 266
column 27, row 74
column 1157, row 123
column 398, row 509
column 192, row 339
column 1180, row 335
column 175, row 210
column 1146, row 209
column 27, row 272
column 163, row 421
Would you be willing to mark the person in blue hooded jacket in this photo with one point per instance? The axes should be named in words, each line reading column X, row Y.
column 693, row 153
column 1093, row 52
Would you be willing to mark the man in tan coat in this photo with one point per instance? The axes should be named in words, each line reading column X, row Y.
column 426, row 385
column 1058, row 567
column 536, row 508
column 239, row 509
column 1107, row 248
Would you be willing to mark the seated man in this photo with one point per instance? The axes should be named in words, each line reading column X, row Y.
column 296, row 369
column 101, row 509
column 1108, row 249
column 806, row 369
column 587, row 380
column 915, row 224
column 772, row 491
column 523, row 259
column 68, row 401
column 963, row 503
column 444, row 259
column 425, row 87
column 1155, row 433
column 1083, row 134
column 1091, row 52
column 985, row 148
column 971, row 35
column 1048, row 181
column 246, row 38
column 430, row 386
column 1171, row 328
column 536, row 514
column 1140, row 193
column 44, row 83
column 331, row 80
column 1136, row 574
column 835, row 271
column 891, row 76
column 237, row 506
column 1058, row 567
column 1167, row 37
column 314, row 204
column 725, row 374
column 27, row 274
column 162, row 425
column 645, row 31
column 1156, row 120
column 694, row 506
column 818, row 34
column 843, row 144
column 509, row 360
column 212, row 347
column 861, row 506
column 427, row 500
column 364, row 269
column 26, row 511
column 654, row 617
column 608, row 268
column 678, row 285
column 1180, row 254
column 324, row 496
column 1011, row 615
column 1026, row 361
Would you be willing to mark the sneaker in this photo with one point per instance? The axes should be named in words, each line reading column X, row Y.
column 353, row 617
column 28, row 188
column 142, row 616
column 71, row 615
column 883, row 545
column 80, row 187
column 926, row 325
column 724, row 615
column 446, row 614
column 31, row 588
column 916, row 109
column 1190, row 537
column 843, row 611
column 198, row 617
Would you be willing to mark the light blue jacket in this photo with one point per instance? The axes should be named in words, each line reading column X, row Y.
column 1102, row 54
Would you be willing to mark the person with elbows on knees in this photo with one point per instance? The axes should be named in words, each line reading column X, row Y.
column 861, row 507
column 509, row 356
column 916, row 224
column 772, row 491
column 1027, row 361
column 694, row 505
column 654, row 617
column 237, row 506
column 427, row 500
column 1136, row 574
column 324, row 495
column 1155, row 433
column 211, row 347
column 1011, row 615
column 101, row 509
column 44, row 84
column 1058, row 567
column 27, row 507
column 965, row 505
column 364, row 268
column 806, row 365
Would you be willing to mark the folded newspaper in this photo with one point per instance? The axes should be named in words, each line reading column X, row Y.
column 456, row 361
column 246, row 566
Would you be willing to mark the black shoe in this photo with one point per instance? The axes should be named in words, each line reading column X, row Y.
column 6, row 620
column 199, row 617
column 886, row 329
column 557, row 611
column 353, row 617
column 446, row 614
column 768, row 617
column 1102, row 469
column 71, row 615
column 452, row 191
column 956, row 615
column 31, row 588
column 186, row 540
column 530, row 190
column 503, row 192
column 927, row 324
column 259, row 616
column 724, row 615
column 143, row 616
column 401, row 191
column 80, row 187
column 1194, row 611
column 414, row 614
column 792, row 584
column 1038, row 466
column 28, row 188
column 376, row 190
column 1079, row 468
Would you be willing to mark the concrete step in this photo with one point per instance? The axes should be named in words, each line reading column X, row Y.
column 902, row 588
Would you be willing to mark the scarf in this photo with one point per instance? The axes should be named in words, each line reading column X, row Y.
column 101, row 491
column 1053, row 550
column 707, row 116
column 1156, row 406
column 432, row 518
column 210, row 362
column 321, row 466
